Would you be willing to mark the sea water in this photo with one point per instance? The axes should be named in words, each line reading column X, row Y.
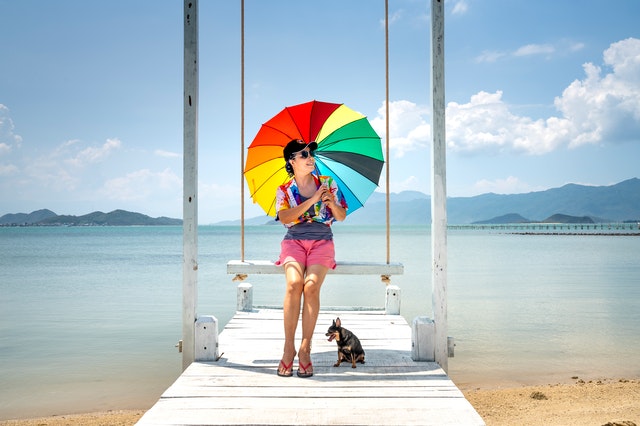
column 90, row 316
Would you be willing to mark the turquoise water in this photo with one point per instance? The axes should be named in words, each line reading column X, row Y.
column 89, row 316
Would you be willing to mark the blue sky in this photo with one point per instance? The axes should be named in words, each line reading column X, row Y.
column 539, row 94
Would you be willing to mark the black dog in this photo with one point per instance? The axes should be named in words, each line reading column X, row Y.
column 349, row 347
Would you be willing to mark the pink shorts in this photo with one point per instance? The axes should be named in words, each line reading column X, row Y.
column 308, row 252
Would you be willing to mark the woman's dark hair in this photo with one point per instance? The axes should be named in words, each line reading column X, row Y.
column 295, row 145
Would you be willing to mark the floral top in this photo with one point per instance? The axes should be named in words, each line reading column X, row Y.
column 288, row 196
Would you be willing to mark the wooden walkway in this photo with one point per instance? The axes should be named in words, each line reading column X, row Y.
column 242, row 386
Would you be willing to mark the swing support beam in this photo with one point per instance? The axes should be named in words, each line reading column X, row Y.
column 438, row 187
column 190, row 184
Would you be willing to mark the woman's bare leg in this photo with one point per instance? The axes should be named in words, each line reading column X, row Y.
column 310, row 308
column 291, row 308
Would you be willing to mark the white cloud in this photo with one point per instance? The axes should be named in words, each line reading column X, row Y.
column 4, row 148
column 412, row 19
column 460, row 7
column 142, row 184
column 94, row 154
column 167, row 154
column 8, row 139
column 598, row 109
column 408, row 129
column 61, row 169
column 534, row 49
column 606, row 108
column 8, row 169
column 487, row 124
column 575, row 47
column 47, row 172
column 393, row 18
column 489, row 56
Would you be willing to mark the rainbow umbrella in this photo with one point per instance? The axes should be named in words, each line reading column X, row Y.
column 349, row 150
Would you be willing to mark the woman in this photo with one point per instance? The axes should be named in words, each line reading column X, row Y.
column 306, row 205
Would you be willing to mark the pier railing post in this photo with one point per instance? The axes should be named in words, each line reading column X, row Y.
column 423, row 336
column 392, row 300
column 206, row 345
column 245, row 297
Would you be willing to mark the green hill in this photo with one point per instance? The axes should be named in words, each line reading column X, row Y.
column 114, row 218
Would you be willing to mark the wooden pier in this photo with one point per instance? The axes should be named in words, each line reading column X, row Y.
column 242, row 386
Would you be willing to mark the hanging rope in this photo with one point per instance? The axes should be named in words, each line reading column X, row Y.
column 241, row 130
column 386, row 65
column 241, row 277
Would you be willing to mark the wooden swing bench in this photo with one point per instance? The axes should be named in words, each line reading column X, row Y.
column 241, row 268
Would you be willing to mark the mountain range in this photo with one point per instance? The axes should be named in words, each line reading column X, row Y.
column 46, row 217
column 570, row 203
column 614, row 203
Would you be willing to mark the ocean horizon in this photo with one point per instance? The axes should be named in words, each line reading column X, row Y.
column 90, row 316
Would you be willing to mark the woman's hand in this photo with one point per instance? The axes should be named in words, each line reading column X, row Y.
column 329, row 200
column 323, row 194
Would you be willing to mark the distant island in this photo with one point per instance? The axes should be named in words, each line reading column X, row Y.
column 569, row 204
column 46, row 217
column 515, row 218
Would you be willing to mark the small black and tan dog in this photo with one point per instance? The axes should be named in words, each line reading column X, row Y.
column 349, row 347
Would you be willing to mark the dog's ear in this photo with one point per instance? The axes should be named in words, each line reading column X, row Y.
column 334, row 323
column 338, row 322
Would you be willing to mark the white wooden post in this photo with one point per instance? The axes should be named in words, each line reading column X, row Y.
column 245, row 297
column 392, row 300
column 206, row 338
column 190, row 183
column 422, row 339
column 439, row 187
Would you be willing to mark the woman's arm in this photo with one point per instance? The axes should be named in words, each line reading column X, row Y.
column 339, row 212
column 293, row 213
column 290, row 214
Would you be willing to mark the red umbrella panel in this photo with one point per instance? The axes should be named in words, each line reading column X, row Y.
column 349, row 150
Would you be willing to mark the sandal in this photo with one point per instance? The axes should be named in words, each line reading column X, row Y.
column 285, row 370
column 305, row 370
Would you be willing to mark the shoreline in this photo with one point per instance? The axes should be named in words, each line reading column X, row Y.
column 604, row 402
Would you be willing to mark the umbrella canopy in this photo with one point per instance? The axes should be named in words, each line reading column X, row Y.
column 349, row 150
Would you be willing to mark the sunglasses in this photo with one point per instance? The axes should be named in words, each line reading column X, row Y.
column 303, row 154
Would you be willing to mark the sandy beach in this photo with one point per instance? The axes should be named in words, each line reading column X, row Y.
column 611, row 402
column 601, row 402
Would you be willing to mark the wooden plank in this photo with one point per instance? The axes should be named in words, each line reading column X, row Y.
column 344, row 268
column 326, row 411
column 243, row 388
